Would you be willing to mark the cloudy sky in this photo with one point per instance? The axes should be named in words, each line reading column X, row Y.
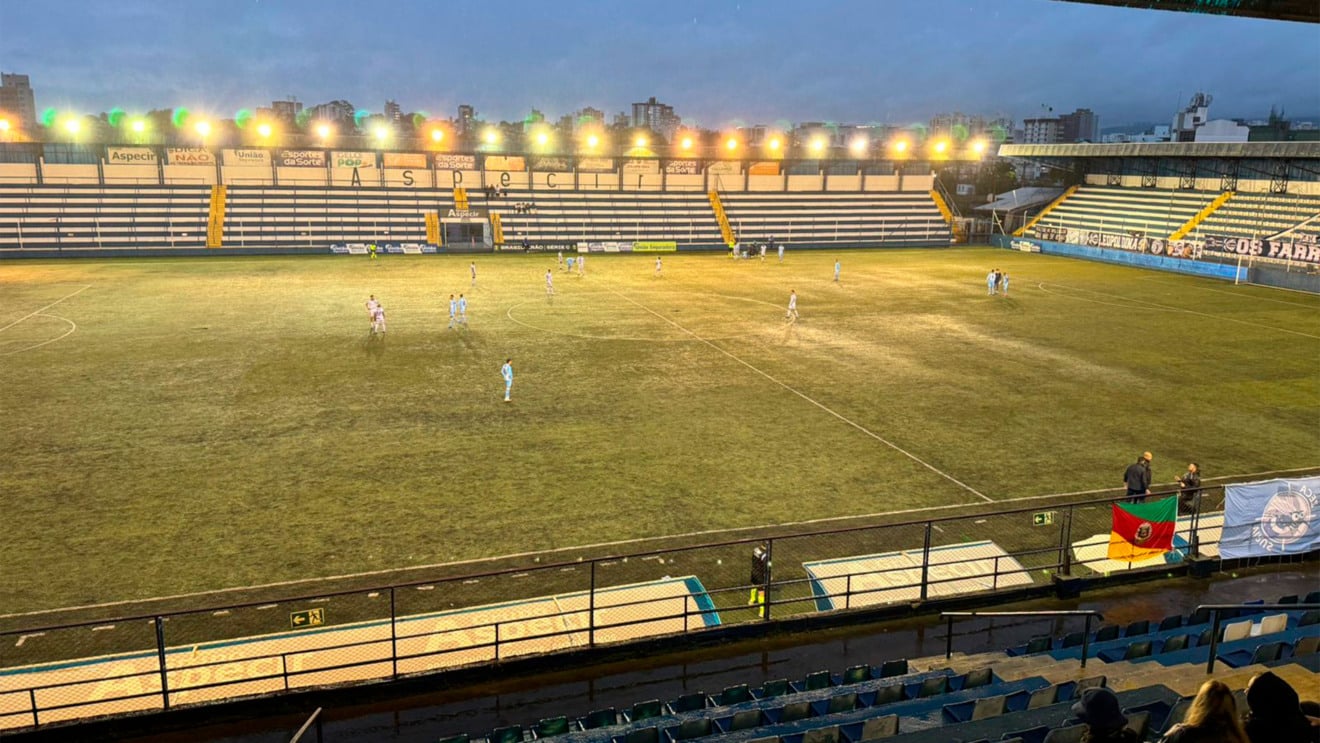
column 718, row 62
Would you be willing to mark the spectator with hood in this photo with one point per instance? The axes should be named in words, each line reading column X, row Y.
column 1275, row 712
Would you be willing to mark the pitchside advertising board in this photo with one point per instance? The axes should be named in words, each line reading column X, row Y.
column 353, row 159
column 1302, row 248
column 1274, row 517
column 1137, row 242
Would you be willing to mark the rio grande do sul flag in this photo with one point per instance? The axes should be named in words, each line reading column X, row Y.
column 1143, row 530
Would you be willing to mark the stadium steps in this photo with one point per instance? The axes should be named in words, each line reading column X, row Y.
column 433, row 232
column 1201, row 216
column 722, row 218
column 1019, row 232
column 947, row 213
column 460, row 197
column 497, row 228
column 215, row 224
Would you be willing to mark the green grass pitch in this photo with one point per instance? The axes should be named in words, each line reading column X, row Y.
column 176, row 425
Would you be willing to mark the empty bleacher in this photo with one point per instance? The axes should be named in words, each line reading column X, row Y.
column 565, row 216
column 80, row 217
column 908, row 218
column 1259, row 215
column 290, row 216
column 1123, row 210
column 1023, row 694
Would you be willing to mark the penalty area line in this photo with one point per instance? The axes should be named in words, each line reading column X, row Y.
column 34, row 313
column 596, row 546
column 817, row 403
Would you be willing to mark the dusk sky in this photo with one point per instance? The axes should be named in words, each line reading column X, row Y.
column 717, row 62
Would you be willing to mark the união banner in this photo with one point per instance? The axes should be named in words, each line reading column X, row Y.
column 1274, row 517
column 253, row 158
column 655, row 246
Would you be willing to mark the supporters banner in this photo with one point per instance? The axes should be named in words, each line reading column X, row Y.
column 641, row 167
column 130, row 156
column 596, row 164
column 300, row 159
column 505, row 162
column 1274, row 517
column 456, row 162
column 189, row 156
column 763, row 168
column 405, row 160
column 1301, row 248
column 683, row 167
column 1141, row 531
column 254, row 158
column 353, row 159
column 551, row 163
column 1138, row 242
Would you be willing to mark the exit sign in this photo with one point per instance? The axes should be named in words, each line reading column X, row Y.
column 1044, row 518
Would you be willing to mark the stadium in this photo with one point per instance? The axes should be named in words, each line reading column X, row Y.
column 727, row 435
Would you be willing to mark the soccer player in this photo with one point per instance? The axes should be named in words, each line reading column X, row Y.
column 506, row 371
column 657, row 265
column 837, row 268
column 763, row 252
column 991, row 279
column 560, row 259
column 582, row 265
column 462, row 310
column 372, row 304
column 792, row 306
column 571, row 261
column 1003, row 283
column 378, row 320
column 371, row 249
column 781, row 249
column 473, row 268
column 549, row 283
column 453, row 311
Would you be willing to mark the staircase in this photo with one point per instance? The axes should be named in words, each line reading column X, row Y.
column 497, row 228
column 959, row 235
column 1019, row 232
column 1200, row 216
column 726, row 231
column 215, row 223
column 433, row 228
column 460, row 197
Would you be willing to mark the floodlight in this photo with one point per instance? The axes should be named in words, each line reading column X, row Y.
column 901, row 146
column 381, row 131
column 858, row 146
column 491, row 136
column 978, row 147
column 542, row 138
column 4, row 125
column 264, row 130
column 686, row 143
column 138, row 126
column 437, row 135
column 72, row 126
column 323, row 130
column 773, row 144
column 203, row 128
column 818, row 144
column 641, row 141
column 593, row 140
column 731, row 144
column 941, row 146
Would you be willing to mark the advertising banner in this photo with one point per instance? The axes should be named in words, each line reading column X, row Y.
column 1300, row 248
column 641, row 167
column 763, row 168
column 505, row 162
column 596, row 164
column 254, row 158
column 1137, row 242
column 1274, row 517
column 456, row 162
column 655, row 246
column 189, row 156
column 405, row 160
column 725, row 167
column 130, row 156
column 353, row 159
column 551, row 163
column 300, row 159
column 683, row 167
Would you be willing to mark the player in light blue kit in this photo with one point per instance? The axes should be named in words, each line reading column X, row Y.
column 506, row 371
column 453, row 311
column 462, row 310
column 837, row 267
column 991, row 279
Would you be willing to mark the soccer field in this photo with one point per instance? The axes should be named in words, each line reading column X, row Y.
column 176, row 425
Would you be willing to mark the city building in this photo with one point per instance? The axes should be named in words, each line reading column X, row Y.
column 17, row 103
column 587, row 117
column 1045, row 130
column 285, row 111
column 658, row 117
column 393, row 112
column 1157, row 134
column 467, row 118
column 337, row 112
column 1081, row 125
column 1193, row 115
column 1222, row 130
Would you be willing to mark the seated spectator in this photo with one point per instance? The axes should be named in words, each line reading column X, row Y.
column 1105, row 722
column 1213, row 718
column 1276, row 713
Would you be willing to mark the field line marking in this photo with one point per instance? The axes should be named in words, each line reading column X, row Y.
column 1167, row 308
column 818, row 404
column 43, row 309
column 1240, row 295
column 73, row 328
column 599, row 545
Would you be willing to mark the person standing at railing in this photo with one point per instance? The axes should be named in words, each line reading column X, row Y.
column 1137, row 478
column 1190, row 494
column 760, row 576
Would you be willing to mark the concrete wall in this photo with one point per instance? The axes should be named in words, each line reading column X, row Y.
column 1129, row 258
column 18, row 173
column 190, row 175
column 57, row 173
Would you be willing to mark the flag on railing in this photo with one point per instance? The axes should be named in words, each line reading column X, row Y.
column 1143, row 530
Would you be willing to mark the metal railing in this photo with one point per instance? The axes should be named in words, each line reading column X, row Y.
column 163, row 659
column 314, row 719
column 1086, row 632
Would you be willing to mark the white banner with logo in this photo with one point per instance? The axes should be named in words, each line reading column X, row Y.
column 351, row 159
column 1274, row 517
column 130, row 156
column 252, row 158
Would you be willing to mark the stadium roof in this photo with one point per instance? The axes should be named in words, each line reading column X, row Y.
column 1305, row 11
column 1294, row 150
column 1021, row 198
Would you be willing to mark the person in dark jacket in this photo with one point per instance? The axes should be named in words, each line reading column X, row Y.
column 1275, row 712
column 1105, row 722
column 1137, row 478
column 1190, row 484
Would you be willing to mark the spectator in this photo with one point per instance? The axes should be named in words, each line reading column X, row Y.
column 1105, row 723
column 1213, row 718
column 1137, row 478
column 1275, row 712
column 1190, row 483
